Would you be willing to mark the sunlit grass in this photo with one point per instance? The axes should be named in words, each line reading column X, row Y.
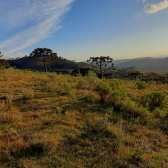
column 51, row 120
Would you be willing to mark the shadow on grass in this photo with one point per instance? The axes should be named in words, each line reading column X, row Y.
column 35, row 150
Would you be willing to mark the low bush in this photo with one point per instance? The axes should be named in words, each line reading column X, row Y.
column 153, row 99
column 160, row 112
column 119, row 94
column 96, row 124
column 81, row 84
column 152, row 83
column 116, row 96
column 115, row 83
column 92, row 75
column 104, row 92
column 141, row 85
column 133, row 109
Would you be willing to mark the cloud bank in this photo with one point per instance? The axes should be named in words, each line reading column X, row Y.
column 42, row 17
column 152, row 8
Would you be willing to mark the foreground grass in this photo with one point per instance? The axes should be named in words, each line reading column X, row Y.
column 49, row 120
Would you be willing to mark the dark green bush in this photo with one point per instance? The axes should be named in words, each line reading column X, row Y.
column 154, row 99
column 141, row 85
column 133, row 109
column 115, row 83
column 119, row 94
column 152, row 83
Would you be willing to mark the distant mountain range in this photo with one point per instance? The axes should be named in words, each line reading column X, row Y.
column 143, row 63
column 151, row 63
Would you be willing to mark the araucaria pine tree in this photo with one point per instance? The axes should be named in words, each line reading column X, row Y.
column 45, row 56
column 102, row 64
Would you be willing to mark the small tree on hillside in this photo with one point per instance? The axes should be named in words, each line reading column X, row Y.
column 135, row 75
column 4, row 63
column 1, row 55
column 45, row 56
column 102, row 63
column 81, row 65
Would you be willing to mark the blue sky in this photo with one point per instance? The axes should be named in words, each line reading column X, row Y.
column 79, row 29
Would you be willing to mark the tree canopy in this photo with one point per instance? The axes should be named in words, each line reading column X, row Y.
column 102, row 63
column 45, row 55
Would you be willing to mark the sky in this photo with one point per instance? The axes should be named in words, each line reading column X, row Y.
column 80, row 29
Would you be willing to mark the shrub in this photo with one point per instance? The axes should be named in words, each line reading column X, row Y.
column 159, row 112
column 115, row 83
column 152, row 83
column 110, row 111
column 141, row 85
column 92, row 75
column 115, row 97
column 132, row 109
column 104, row 92
column 92, row 79
column 97, row 124
column 154, row 99
column 67, row 86
column 81, row 84
column 119, row 94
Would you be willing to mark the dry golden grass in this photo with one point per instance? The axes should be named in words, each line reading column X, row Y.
column 49, row 120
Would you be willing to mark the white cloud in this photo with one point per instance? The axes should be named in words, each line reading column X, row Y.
column 15, row 55
column 24, row 12
column 44, row 16
column 144, row 1
column 78, row 58
column 152, row 8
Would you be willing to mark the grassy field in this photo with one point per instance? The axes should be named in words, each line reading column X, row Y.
column 49, row 120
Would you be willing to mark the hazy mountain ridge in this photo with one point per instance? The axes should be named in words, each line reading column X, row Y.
column 145, row 63
column 151, row 62
column 157, row 62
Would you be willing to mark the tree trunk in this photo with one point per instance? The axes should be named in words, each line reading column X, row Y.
column 45, row 67
column 79, row 70
column 101, row 73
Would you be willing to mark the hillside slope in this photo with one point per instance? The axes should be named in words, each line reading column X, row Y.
column 54, row 65
column 49, row 120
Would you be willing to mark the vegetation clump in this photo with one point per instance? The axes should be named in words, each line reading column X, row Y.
column 141, row 85
column 154, row 99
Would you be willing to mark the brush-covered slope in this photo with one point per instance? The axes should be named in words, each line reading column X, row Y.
column 54, row 65
column 49, row 120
